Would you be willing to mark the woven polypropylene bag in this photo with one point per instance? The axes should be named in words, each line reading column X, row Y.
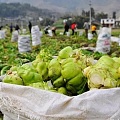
column 36, row 34
column 27, row 103
column 103, row 43
column 24, row 43
column 15, row 35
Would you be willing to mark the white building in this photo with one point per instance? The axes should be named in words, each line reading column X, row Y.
column 110, row 22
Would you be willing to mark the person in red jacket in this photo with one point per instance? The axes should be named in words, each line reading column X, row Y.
column 73, row 27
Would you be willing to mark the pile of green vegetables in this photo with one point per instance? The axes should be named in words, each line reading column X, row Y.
column 70, row 72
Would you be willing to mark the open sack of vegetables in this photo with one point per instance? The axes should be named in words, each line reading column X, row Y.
column 69, row 87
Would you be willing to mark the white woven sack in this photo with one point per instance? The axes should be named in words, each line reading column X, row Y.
column 35, row 29
column 41, row 33
column 68, row 33
column 50, row 33
column 14, row 36
column 36, row 39
column 104, row 40
column 24, row 44
column 80, row 33
column 27, row 103
column 24, row 31
column 35, row 33
column 103, row 46
column 90, row 36
column 115, row 39
column 2, row 34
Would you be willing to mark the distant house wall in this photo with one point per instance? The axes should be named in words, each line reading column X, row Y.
column 108, row 22
column 114, row 23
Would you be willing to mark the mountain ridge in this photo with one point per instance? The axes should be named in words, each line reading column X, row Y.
column 75, row 6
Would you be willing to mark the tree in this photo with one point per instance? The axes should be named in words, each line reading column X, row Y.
column 100, row 16
column 83, row 13
column 114, row 15
column 92, row 13
column 47, row 21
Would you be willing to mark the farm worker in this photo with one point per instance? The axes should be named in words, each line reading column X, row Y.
column 93, row 29
column 86, row 27
column 1, row 27
column 54, row 30
column 66, row 27
column 30, row 26
column 11, row 28
column 73, row 27
column 17, row 28
column 46, row 29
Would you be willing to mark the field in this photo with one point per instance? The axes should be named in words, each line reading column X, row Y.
column 10, row 56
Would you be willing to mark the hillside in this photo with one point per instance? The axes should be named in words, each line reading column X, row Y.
column 14, row 10
column 75, row 6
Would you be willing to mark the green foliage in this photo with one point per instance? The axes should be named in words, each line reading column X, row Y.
column 59, row 24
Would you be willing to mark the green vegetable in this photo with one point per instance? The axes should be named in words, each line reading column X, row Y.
column 104, row 74
column 29, row 74
column 65, row 52
column 5, row 69
column 62, row 90
column 13, row 78
column 54, row 69
column 59, row 82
